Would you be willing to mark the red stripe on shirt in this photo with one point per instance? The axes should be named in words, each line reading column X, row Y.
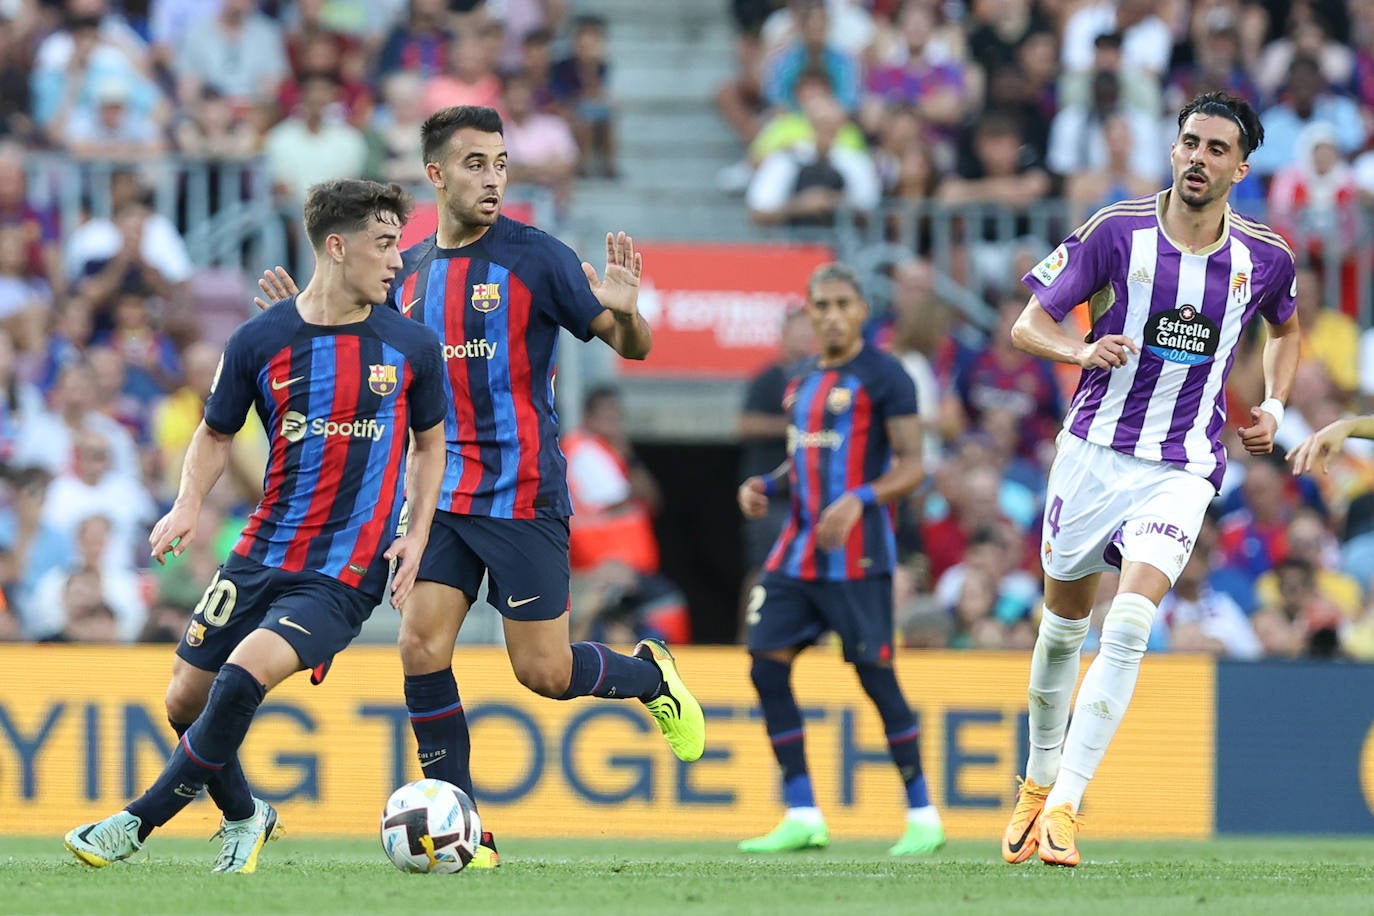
column 815, row 421
column 455, row 334
column 522, row 394
column 861, row 418
column 374, row 529
column 279, row 367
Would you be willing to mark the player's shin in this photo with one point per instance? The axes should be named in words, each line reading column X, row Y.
column 440, row 727
column 228, row 787
column 1053, row 674
column 598, row 671
column 1104, row 696
column 783, row 719
column 211, row 741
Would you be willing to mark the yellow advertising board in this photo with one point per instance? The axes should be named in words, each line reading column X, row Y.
column 82, row 730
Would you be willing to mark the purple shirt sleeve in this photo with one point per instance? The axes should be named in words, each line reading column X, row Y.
column 1280, row 293
column 1073, row 271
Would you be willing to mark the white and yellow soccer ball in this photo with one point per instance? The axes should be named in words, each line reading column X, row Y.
column 431, row 827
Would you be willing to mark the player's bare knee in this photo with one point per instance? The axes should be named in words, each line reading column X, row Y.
column 543, row 674
column 183, row 700
column 423, row 653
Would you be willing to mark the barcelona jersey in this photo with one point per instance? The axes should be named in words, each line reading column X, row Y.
column 337, row 403
column 497, row 306
column 837, row 439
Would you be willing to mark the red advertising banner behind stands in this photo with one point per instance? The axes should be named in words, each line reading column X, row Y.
column 716, row 310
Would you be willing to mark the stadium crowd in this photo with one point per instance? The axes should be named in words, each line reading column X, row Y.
column 104, row 359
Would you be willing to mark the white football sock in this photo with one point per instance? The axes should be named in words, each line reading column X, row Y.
column 1054, row 671
column 810, row 816
column 1104, row 696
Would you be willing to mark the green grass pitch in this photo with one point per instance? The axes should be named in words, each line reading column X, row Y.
column 1248, row 877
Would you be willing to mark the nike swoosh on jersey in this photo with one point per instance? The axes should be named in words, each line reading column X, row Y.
column 279, row 384
column 405, row 309
column 288, row 622
column 511, row 602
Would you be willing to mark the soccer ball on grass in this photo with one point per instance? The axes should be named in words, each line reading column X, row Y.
column 430, row 826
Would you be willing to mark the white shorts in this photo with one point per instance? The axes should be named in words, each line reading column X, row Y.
column 1102, row 506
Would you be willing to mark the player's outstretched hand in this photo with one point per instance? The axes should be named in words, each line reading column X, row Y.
column 1109, row 352
column 173, row 533
column 753, row 498
column 406, row 551
column 276, row 285
column 1314, row 452
column 1258, row 437
column 618, row 290
column 837, row 520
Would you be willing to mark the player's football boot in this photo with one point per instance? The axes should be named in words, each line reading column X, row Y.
column 793, row 834
column 676, row 711
column 1059, row 836
column 486, row 855
column 241, row 841
column 99, row 844
column 921, row 838
column 1023, row 830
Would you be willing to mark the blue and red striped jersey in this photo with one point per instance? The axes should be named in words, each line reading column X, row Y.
column 497, row 306
column 337, row 403
column 837, row 439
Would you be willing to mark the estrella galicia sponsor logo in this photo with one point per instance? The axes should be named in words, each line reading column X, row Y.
column 1182, row 335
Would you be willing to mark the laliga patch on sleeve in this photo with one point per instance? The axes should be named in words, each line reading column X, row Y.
column 1048, row 270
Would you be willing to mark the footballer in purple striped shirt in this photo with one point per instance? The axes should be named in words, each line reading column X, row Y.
column 854, row 451
column 1171, row 281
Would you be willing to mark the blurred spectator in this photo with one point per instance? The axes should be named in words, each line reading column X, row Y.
column 993, row 554
column 536, row 62
column 175, row 419
column 25, row 299
column 137, row 249
column 182, row 581
column 16, row 63
column 49, row 436
column 1300, row 622
column 66, row 343
column 117, row 586
column 214, row 128
column 469, row 76
column 1003, row 377
column 808, row 50
column 541, row 146
column 580, row 86
column 419, row 45
column 311, row 146
column 1217, row 64
column 1252, row 536
column 919, row 77
column 740, row 101
column 1307, row 539
column 998, row 28
column 916, row 330
column 1305, row 100
column 850, row 27
column 113, row 397
column 35, row 546
column 41, row 232
column 1198, row 618
column 1114, row 180
column 93, row 487
column 972, row 494
column 614, row 498
column 1025, row 91
column 170, row 22
column 762, row 432
column 322, row 54
column 1077, row 135
column 1146, row 42
column 1138, row 91
column 394, row 149
column 520, row 19
column 906, row 163
column 113, row 130
column 240, row 53
column 1329, row 337
column 85, row 617
column 18, row 401
column 806, row 184
column 1307, row 35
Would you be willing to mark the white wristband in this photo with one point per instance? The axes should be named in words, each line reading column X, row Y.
column 1273, row 407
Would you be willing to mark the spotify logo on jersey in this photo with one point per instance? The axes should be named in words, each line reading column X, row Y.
column 1182, row 335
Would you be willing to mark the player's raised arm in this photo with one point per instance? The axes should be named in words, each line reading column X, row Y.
column 276, row 285
column 205, row 461
column 1280, row 357
column 1037, row 333
column 620, row 325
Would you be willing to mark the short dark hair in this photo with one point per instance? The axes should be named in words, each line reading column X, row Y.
column 1234, row 109
column 440, row 127
column 589, row 21
column 599, row 395
column 835, row 271
column 346, row 204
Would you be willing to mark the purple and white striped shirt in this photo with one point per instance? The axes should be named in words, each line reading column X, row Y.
column 1184, row 310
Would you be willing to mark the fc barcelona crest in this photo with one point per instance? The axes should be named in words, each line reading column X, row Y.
column 486, row 297
column 838, row 400
column 381, row 379
column 195, row 634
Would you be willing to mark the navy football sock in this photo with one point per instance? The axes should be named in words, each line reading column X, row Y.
column 899, row 724
column 441, row 728
column 599, row 672
column 211, row 741
column 228, row 787
column 782, row 717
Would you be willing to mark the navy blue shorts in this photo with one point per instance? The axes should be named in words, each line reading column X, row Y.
column 526, row 557
column 318, row 615
column 785, row 613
